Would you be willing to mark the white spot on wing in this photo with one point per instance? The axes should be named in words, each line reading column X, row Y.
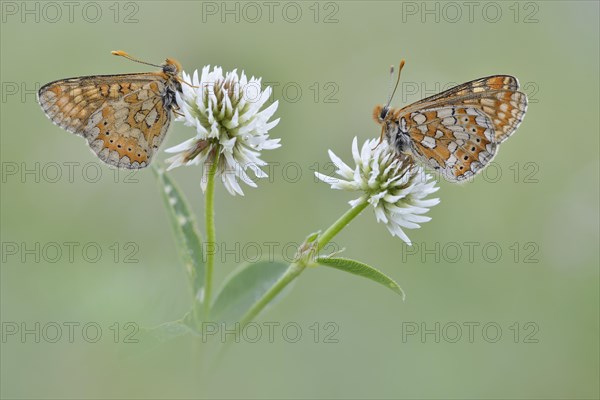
column 419, row 118
column 103, row 155
column 125, row 162
column 449, row 121
column 151, row 117
column 113, row 157
column 482, row 121
column 489, row 134
column 121, row 113
column 428, row 142
column 97, row 145
column 461, row 135
column 476, row 166
column 445, row 112
column 451, row 161
column 456, row 128
column 91, row 134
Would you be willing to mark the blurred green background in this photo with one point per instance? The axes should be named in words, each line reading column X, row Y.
column 328, row 64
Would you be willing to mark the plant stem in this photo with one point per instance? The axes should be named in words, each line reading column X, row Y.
column 211, row 236
column 297, row 267
column 291, row 273
column 338, row 225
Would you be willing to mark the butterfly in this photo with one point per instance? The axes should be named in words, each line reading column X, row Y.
column 124, row 118
column 456, row 132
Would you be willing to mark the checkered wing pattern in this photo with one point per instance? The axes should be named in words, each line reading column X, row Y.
column 124, row 118
column 457, row 132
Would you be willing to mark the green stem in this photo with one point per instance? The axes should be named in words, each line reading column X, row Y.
column 292, row 272
column 211, row 236
column 299, row 266
column 338, row 225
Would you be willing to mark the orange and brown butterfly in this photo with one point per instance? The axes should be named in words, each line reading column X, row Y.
column 124, row 118
column 456, row 132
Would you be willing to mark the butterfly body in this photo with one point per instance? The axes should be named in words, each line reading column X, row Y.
column 124, row 118
column 456, row 132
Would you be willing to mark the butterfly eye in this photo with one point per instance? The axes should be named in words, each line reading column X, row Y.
column 384, row 112
column 170, row 68
column 172, row 65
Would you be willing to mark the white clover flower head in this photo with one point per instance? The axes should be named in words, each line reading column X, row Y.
column 230, row 126
column 395, row 186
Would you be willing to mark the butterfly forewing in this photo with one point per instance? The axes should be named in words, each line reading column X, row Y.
column 494, row 82
column 497, row 96
column 124, row 118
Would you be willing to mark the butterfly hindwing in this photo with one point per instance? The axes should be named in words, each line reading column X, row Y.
column 123, row 117
column 456, row 140
column 128, row 131
column 505, row 108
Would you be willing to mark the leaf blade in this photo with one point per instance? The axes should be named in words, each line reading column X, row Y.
column 363, row 270
column 244, row 287
column 187, row 237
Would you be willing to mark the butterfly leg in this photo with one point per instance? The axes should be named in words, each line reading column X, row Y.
column 380, row 136
column 189, row 84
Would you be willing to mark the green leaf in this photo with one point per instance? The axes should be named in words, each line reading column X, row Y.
column 244, row 287
column 136, row 343
column 164, row 332
column 187, row 237
column 312, row 237
column 361, row 269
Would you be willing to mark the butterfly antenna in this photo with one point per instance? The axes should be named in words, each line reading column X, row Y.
column 390, row 85
column 397, row 81
column 121, row 53
column 391, row 96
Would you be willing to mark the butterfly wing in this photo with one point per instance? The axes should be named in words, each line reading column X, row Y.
column 494, row 82
column 498, row 96
column 458, row 140
column 123, row 117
